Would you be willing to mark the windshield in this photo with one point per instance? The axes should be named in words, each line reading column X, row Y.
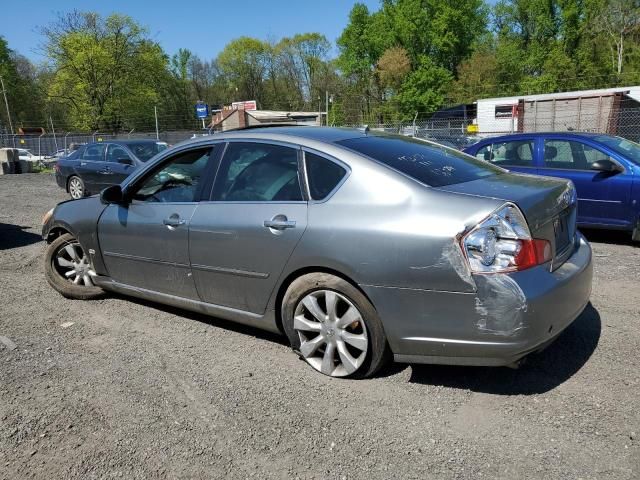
column 428, row 163
column 626, row 148
column 145, row 150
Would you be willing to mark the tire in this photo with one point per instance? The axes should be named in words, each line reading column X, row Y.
column 311, row 338
column 76, row 187
column 58, row 261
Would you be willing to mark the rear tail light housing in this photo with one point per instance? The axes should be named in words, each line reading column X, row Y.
column 502, row 242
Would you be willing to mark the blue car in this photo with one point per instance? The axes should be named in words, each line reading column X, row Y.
column 604, row 169
column 95, row 166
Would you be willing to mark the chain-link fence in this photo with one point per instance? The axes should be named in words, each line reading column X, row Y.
column 47, row 145
column 608, row 113
column 611, row 114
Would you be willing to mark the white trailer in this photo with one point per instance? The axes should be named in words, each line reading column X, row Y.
column 585, row 110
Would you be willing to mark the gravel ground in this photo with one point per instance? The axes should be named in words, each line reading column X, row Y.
column 138, row 390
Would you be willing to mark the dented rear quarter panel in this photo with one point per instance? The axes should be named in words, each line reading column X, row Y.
column 406, row 237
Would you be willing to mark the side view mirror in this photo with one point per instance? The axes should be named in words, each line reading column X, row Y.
column 606, row 165
column 112, row 194
column 125, row 161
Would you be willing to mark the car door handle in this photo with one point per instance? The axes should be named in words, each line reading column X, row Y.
column 82, row 164
column 280, row 224
column 173, row 221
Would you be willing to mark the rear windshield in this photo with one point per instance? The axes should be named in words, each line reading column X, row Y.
column 626, row 148
column 145, row 150
column 428, row 163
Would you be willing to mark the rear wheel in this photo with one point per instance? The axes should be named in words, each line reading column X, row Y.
column 76, row 188
column 68, row 269
column 333, row 326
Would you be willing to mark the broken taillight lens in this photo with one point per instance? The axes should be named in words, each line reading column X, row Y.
column 502, row 242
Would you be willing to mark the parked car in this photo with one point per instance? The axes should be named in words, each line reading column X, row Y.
column 95, row 166
column 25, row 154
column 604, row 169
column 354, row 244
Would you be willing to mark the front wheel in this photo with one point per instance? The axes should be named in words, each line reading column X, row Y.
column 68, row 269
column 333, row 326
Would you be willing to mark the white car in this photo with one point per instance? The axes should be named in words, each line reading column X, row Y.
column 25, row 154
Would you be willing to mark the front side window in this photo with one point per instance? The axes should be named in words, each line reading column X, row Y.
column 258, row 172
column 425, row 162
column 115, row 153
column 177, row 180
column 571, row 155
column 94, row 153
column 323, row 175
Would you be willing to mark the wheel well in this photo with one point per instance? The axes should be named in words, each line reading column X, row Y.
column 55, row 232
column 303, row 271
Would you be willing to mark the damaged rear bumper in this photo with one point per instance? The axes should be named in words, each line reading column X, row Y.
column 507, row 317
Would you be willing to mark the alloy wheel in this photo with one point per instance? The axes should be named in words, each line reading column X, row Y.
column 72, row 264
column 332, row 333
column 75, row 188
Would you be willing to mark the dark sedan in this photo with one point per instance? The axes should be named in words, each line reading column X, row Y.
column 98, row 165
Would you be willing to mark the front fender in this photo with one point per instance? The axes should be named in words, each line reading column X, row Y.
column 80, row 219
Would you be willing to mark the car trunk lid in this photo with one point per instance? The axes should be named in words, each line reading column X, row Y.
column 547, row 203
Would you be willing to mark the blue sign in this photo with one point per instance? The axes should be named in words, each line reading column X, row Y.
column 202, row 110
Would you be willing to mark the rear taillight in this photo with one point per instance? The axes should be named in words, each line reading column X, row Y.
column 56, row 167
column 502, row 243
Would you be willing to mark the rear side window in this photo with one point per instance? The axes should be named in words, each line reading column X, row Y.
column 517, row 153
column 323, row 175
column 428, row 163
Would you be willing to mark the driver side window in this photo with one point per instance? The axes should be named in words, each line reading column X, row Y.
column 176, row 180
column 258, row 172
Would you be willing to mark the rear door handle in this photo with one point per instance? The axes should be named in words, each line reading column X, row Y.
column 173, row 221
column 280, row 224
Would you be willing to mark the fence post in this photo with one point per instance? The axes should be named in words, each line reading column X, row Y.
column 129, row 134
column 40, row 145
column 65, row 142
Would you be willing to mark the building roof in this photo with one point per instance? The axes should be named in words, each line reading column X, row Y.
column 273, row 115
column 633, row 92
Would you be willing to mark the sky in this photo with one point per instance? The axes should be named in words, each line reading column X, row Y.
column 203, row 27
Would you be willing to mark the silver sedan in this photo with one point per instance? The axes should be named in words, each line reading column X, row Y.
column 358, row 246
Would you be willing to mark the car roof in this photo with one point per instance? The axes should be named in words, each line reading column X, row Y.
column 297, row 134
column 514, row 136
column 125, row 142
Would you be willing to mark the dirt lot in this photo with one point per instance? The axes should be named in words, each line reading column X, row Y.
column 137, row 390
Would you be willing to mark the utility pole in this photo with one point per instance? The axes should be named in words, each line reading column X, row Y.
column 54, row 133
column 326, row 108
column 155, row 110
column 6, row 104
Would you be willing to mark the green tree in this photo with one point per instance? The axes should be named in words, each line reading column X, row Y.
column 20, row 80
column 105, row 70
column 243, row 62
